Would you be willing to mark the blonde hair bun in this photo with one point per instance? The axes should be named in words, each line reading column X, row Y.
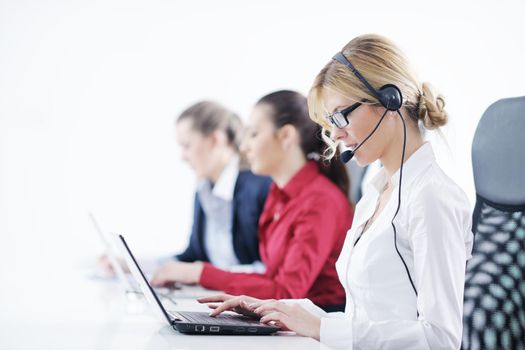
column 431, row 108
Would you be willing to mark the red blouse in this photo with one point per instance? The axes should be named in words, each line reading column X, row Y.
column 301, row 232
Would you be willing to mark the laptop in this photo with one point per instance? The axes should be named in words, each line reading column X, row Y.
column 195, row 322
column 124, row 278
column 113, row 257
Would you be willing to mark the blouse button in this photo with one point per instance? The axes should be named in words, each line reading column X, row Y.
column 276, row 216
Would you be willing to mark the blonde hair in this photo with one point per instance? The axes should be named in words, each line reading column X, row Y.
column 381, row 62
column 208, row 116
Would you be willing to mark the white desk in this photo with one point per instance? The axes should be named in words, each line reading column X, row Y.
column 89, row 314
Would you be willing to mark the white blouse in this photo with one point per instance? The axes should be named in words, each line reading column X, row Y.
column 435, row 239
column 217, row 204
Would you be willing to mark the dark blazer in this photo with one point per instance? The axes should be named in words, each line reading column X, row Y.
column 249, row 197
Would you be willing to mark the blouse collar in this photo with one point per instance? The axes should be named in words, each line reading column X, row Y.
column 420, row 160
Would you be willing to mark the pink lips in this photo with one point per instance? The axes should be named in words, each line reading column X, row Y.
column 352, row 146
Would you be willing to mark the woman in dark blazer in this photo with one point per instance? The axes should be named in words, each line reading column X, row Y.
column 228, row 200
column 248, row 200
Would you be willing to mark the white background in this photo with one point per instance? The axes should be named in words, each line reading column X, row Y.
column 89, row 91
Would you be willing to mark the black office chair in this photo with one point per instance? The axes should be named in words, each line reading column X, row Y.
column 494, row 305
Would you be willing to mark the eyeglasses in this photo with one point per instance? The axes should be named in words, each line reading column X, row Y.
column 340, row 118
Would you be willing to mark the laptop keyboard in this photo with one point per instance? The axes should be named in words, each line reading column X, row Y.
column 222, row 319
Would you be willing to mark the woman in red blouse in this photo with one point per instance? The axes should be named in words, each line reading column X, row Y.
column 305, row 218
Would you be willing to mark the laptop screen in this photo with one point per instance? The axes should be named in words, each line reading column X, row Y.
column 111, row 254
column 149, row 293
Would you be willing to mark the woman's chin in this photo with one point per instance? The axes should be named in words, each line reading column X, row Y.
column 361, row 161
column 258, row 170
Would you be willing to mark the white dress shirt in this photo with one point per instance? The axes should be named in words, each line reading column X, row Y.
column 217, row 204
column 371, row 171
column 435, row 239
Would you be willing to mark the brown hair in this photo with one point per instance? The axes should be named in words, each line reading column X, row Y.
column 290, row 108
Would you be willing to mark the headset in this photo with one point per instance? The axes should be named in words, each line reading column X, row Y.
column 390, row 97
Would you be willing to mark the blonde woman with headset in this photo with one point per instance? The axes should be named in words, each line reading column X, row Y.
column 403, row 261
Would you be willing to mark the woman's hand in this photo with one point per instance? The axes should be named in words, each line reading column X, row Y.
column 288, row 317
column 243, row 304
column 104, row 263
column 291, row 317
column 176, row 271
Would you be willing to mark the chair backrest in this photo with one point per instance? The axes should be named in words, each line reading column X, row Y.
column 494, row 305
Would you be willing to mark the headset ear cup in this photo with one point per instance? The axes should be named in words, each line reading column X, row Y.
column 390, row 97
